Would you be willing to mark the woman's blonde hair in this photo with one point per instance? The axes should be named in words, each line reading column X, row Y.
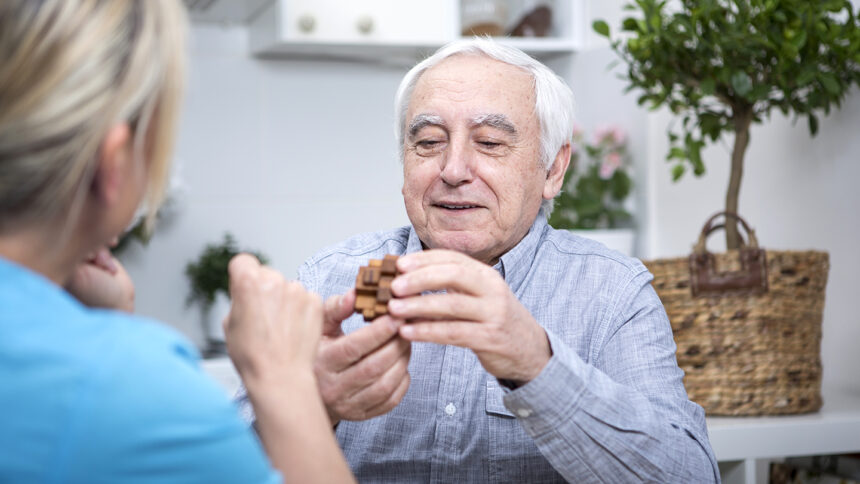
column 69, row 70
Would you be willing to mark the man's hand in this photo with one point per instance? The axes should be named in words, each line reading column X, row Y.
column 478, row 311
column 362, row 374
column 274, row 326
column 102, row 282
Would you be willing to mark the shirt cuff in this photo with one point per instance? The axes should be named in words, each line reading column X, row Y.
column 552, row 395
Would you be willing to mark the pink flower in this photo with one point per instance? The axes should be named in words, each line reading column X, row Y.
column 602, row 134
column 619, row 136
column 610, row 135
column 610, row 163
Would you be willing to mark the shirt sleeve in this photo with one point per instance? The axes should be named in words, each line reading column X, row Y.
column 624, row 414
column 153, row 415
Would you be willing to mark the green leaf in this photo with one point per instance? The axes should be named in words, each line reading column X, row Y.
column 708, row 86
column 630, row 25
column 677, row 154
column 678, row 171
column 813, row 124
column 601, row 28
column 741, row 83
column 830, row 84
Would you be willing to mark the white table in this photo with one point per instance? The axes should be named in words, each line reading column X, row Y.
column 743, row 444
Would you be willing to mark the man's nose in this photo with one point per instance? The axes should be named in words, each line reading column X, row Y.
column 457, row 163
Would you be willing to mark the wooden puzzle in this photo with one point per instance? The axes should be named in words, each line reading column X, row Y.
column 373, row 287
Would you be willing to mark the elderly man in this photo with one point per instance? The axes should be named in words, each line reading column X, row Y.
column 534, row 355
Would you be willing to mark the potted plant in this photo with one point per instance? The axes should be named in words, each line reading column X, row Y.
column 722, row 65
column 595, row 189
column 209, row 288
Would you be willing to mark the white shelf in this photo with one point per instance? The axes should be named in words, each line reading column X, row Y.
column 834, row 429
column 406, row 53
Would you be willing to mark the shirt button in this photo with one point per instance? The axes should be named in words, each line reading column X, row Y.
column 450, row 409
column 524, row 412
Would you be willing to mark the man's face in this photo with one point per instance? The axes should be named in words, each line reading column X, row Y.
column 473, row 181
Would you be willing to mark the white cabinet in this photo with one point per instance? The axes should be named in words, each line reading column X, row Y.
column 368, row 21
column 381, row 30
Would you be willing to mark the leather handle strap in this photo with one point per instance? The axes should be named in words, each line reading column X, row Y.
column 701, row 248
column 707, row 280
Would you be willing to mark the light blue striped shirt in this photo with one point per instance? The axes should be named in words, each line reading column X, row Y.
column 609, row 407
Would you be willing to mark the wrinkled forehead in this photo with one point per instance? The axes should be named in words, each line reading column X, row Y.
column 475, row 85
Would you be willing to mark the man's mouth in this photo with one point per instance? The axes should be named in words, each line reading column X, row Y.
column 456, row 206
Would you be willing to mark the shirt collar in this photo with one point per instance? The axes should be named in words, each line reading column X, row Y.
column 515, row 264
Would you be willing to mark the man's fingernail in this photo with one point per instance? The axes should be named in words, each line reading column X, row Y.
column 407, row 331
column 395, row 305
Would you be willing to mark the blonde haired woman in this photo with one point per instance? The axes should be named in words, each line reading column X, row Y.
column 89, row 92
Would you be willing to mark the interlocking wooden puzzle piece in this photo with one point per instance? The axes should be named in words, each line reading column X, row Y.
column 373, row 287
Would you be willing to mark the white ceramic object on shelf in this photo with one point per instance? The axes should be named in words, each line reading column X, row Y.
column 214, row 317
column 622, row 240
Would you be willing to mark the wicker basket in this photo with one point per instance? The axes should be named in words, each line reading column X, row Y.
column 747, row 350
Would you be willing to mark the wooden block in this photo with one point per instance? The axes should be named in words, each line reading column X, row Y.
column 373, row 287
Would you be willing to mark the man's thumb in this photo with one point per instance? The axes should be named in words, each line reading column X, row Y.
column 337, row 308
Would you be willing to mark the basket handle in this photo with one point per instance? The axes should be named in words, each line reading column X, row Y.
column 701, row 248
column 705, row 280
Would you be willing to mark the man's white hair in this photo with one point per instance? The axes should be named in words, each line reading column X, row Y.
column 553, row 98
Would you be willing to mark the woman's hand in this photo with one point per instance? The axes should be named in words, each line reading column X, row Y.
column 274, row 326
column 102, row 282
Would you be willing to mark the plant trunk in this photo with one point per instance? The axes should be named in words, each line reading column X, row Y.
column 742, row 119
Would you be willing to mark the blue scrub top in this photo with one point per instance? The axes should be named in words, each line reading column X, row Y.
column 101, row 396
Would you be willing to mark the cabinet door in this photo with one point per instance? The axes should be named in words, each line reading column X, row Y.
column 368, row 21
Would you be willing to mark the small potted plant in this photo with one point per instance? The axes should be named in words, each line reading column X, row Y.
column 209, row 283
column 596, row 187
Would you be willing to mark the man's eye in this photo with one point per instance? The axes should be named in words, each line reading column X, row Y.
column 428, row 147
column 489, row 144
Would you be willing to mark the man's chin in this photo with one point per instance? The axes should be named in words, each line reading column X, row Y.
column 472, row 243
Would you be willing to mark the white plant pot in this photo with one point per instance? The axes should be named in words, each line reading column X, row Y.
column 622, row 240
column 214, row 317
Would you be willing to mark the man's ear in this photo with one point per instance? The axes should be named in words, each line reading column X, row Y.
column 555, row 175
column 114, row 154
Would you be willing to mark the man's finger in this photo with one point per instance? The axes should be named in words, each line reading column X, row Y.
column 450, row 306
column 370, row 368
column 336, row 309
column 393, row 399
column 378, row 392
column 447, row 276
column 456, row 333
column 346, row 350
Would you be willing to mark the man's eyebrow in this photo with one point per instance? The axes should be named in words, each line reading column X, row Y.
column 423, row 120
column 495, row 120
